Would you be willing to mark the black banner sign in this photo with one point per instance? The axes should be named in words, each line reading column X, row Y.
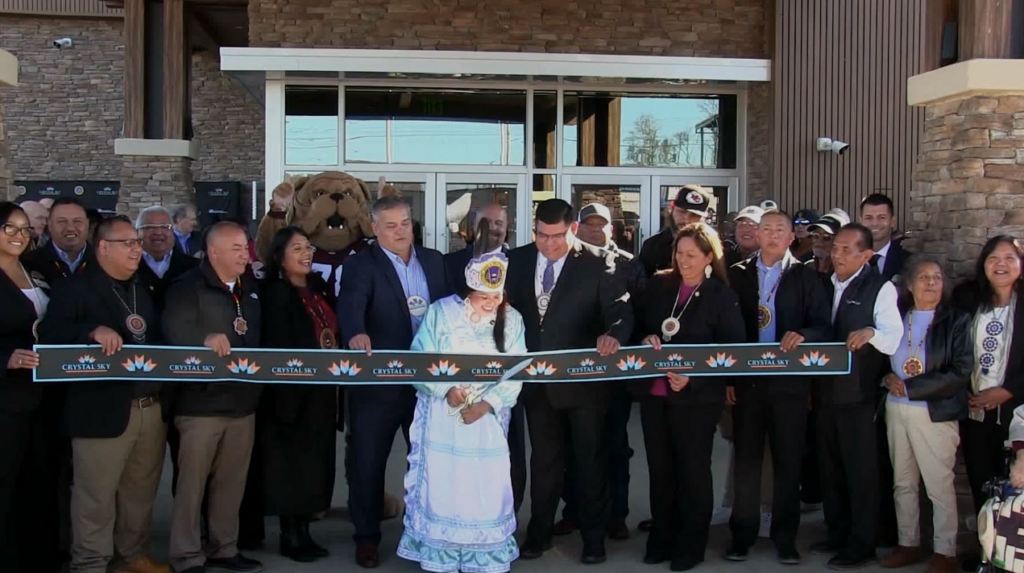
column 169, row 364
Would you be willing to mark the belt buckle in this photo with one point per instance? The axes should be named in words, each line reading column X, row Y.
column 145, row 402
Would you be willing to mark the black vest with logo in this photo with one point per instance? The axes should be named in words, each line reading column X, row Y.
column 856, row 311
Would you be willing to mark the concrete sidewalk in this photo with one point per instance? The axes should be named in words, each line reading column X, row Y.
column 335, row 532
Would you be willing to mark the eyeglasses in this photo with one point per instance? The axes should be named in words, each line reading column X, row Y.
column 130, row 243
column 801, row 221
column 166, row 227
column 11, row 230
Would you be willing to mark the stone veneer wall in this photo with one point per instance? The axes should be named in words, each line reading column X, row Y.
column 5, row 172
column 147, row 181
column 69, row 107
column 969, row 178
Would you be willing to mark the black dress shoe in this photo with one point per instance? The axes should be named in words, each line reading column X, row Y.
column 367, row 556
column 593, row 557
column 737, row 552
column 618, row 531
column 308, row 544
column 825, row 548
column 237, row 564
column 788, row 555
column 292, row 545
column 645, row 525
column 655, row 557
column 684, row 563
column 971, row 563
column 534, row 550
column 848, row 559
column 565, row 527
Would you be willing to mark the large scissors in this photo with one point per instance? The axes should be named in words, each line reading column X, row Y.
column 477, row 395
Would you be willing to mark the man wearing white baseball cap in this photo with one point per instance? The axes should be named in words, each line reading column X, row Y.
column 747, row 221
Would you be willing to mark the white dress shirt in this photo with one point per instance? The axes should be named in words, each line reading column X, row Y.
column 888, row 322
column 542, row 264
column 883, row 254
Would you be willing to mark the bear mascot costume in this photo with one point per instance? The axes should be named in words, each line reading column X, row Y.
column 333, row 208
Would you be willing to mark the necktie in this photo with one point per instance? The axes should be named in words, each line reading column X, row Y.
column 874, row 262
column 547, row 282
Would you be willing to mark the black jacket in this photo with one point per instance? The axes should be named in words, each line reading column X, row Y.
column 800, row 306
column 895, row 260
column 656, row 252
column 949, row 357
column 633, row 275
column 712, row 317
column 198, row 305
column 588, row 300
column 17, row 315
column 180, row 264
column 79, row 305
column 287, row 324
column 48, row 263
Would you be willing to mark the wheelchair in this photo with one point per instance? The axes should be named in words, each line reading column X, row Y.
column 1001, row 523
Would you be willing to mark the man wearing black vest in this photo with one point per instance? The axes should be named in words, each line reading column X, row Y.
column 782, row 301
column 866, row 318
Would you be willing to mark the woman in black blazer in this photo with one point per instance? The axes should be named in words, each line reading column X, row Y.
column 689, row 304
column 298, row 420
column 29, row 414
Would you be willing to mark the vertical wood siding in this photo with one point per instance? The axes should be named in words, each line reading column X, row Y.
column 840, row 71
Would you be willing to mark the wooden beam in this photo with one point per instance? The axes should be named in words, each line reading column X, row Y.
column 134, row 68
column 985, row 28
column 175, row 89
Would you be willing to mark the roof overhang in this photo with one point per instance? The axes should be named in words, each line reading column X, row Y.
column 438, row 62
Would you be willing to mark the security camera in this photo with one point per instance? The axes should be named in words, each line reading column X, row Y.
column 826, row 144
column 62, row 43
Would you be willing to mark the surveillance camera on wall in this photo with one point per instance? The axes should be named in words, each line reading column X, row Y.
column 62, row 43
column 826, row 144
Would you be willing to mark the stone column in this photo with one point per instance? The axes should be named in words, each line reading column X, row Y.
column 968, row 181
column 8, row 78
column 154, row 172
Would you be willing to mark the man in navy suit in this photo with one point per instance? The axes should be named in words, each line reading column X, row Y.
column 456, row 262
column 385, row 292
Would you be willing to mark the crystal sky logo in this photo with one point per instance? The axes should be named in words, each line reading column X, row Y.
column 394, row 369
column 493, row 369
column 139, row 364
column 720, row 360
column 768, row 361
column 294, row 367
column 443, row 368
column 675, row 361
column 86, row 365
column 243, row 366
column 344, row 368
column 814, row 359
column 192, row 365
column 586, row 366
column 541, row 369
column 631, row 363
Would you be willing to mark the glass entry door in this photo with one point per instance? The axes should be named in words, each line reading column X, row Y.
column 463, row 197
column 418, row 189
column 626, row 198
column 726, row 189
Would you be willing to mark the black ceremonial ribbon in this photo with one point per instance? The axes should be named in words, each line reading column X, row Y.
column 274, row 366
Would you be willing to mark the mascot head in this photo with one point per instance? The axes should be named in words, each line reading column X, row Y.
column 333, row 208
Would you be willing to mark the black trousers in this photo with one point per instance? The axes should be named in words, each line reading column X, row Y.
column 251, row 531
column 679, row 441
column 984, row 455
column 810, row 476
column 588, row 434
column 373, row 424
column 30, row 461
column 517, row 454
column 848, row 454
column 783, row 419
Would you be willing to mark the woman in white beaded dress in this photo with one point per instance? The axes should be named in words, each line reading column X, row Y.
column 459, row 509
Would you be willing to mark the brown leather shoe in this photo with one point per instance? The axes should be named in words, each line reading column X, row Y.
column 366, row 555
column 565, row 527
column 144, row 565
column 902, row 557
column 942, row 564
column 618, row 531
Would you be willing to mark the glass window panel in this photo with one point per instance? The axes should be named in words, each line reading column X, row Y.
column 311, row 125
column 441, row 127
column 624, row 203
column 464, row 202
column 718, row 205
column 615, row 130
column 543, row 189
column 545, row 129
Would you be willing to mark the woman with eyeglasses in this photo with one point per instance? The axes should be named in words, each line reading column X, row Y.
column 298, row 424
column 29, row 413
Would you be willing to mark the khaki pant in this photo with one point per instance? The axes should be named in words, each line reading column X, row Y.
column 920, row 448
column 725, row 428
column 116, row 481
column 218, row 450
